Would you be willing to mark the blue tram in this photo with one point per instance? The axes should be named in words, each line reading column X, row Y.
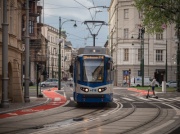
column 93, row 75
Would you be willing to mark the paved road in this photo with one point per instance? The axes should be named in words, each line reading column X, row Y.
column 129, row 113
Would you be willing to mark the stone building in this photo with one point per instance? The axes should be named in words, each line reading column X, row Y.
column 52, row 35
column 15, row 49
column 68, row 57
column 125, row 25
column 37, row 42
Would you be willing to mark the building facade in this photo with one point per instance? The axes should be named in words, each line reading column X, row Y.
column 67, row 59
column 15, row 49
column 126, row 45
column 52, row 35
column 37, row 42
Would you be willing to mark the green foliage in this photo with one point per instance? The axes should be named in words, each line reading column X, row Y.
column 158, row 12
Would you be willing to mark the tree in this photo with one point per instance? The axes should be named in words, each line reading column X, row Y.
column 157, row 13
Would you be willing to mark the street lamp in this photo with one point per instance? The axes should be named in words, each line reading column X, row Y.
column 59, row 56
column 178, row 63
column 52, row 64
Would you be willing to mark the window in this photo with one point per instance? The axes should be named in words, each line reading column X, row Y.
column 78, row 71
column 31, row 27
column 19, row 21
column 93, row 70
column 126, row 13
column 159, row 55
column 126, row 30
column 48, row 38
column 139, row 54
column 12, row 17
column 110, row 75
column 126, row 54
column 159, row 36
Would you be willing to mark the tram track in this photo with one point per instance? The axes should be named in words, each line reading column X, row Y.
column 158, row 117
column 100, row 119
column 86, row 113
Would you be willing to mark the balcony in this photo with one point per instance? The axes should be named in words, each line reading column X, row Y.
column 39, row 9
column 35, row 44
column 39, row 58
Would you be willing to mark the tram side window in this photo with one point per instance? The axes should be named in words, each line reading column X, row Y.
column 110, row 75
column 78, row 70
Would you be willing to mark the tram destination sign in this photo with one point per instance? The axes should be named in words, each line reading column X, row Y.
column 93, row 57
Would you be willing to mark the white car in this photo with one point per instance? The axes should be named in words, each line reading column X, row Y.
column 53, row 82
column 171, row 84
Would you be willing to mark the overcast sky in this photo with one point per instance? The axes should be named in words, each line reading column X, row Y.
column 79, row 10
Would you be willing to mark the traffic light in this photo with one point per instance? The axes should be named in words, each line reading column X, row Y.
column 129, row 71
column 38, row 67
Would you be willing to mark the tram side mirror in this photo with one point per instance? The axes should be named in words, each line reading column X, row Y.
column 71, row 69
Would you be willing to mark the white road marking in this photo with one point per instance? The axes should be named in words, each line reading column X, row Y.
column 165, row 99
column 12, row 113
column 127, row 99
column 57, row 99
column 71, row 98
column 143, row 99
column 155, row 99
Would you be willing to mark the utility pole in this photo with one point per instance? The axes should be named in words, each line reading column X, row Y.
column 93, row 22
column 166, row 57
column 26, row 91
column 5, row 101
column 178, row 58
column 142, row 54
column 59, row 57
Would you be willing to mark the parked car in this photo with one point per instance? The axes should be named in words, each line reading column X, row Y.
column 52, row 82
column 171, row 84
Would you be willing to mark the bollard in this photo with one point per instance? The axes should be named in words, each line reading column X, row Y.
column 164, row 86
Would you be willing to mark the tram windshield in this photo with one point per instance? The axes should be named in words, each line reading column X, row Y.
column 93, row 70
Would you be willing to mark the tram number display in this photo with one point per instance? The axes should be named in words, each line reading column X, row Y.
column 93, row 57
column 92, row 90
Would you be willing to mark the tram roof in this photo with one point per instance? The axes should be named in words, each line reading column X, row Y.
column 94, row 50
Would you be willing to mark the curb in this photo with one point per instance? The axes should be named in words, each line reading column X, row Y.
column 35, row 105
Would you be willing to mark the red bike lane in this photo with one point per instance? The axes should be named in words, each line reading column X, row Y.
column 141, row 92
column 56, row 100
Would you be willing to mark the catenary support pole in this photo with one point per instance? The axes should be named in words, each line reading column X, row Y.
column 5, row 101
column 59, row 66
column 26, row 90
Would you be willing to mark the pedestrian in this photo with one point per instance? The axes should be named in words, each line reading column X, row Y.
column 153, row 83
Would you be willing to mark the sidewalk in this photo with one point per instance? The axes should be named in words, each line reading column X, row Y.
column 34, row 101
column 50, row 100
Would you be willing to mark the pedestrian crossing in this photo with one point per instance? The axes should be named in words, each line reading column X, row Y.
column 145, row 99
column 150, row 99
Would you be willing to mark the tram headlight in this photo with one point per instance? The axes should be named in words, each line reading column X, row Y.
column 101, row 89
column 84, row 89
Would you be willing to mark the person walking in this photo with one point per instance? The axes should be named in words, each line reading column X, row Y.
column 153, row 84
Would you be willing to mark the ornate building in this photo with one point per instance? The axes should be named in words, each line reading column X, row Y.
column 15, row 49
